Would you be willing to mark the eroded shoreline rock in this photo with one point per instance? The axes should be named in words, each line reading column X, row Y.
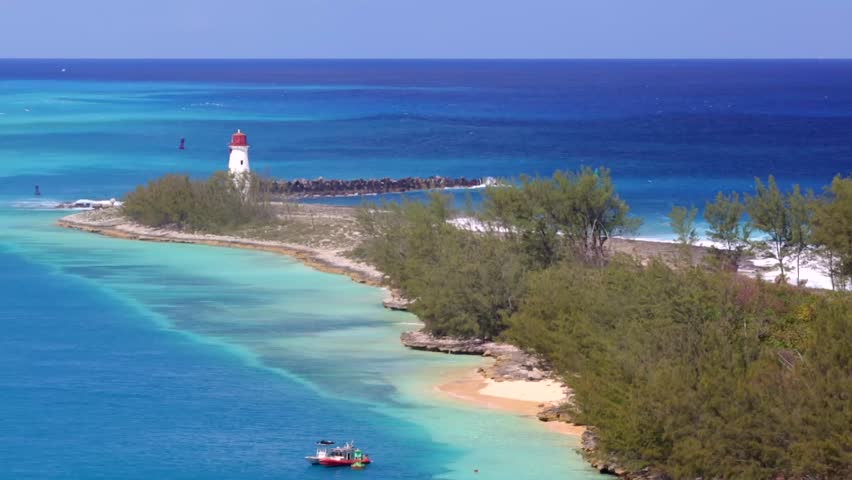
column 510, row 362
column 395, row 301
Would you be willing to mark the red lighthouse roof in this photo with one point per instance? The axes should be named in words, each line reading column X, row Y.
column 239, row 139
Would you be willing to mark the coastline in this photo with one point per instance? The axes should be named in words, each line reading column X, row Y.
column 324, row 260
column 513, row 382
column 508, row 391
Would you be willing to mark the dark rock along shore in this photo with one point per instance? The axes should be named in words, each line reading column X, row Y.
column 511, row 363
column 322, row 187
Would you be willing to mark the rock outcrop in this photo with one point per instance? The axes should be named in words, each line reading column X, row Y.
column 555, row 413
column 395, row 301
column 421, row 340
column 510, row 362
column 611, row 464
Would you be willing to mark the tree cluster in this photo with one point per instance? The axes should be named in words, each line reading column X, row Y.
column 701, row 372
column 219, row 204
column 466, row 281
column 571, row 215
column 789, row 226
column 704, row 374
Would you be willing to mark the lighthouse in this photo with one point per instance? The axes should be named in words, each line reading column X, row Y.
column 238, row 162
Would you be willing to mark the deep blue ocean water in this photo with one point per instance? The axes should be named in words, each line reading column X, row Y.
column 671, row 131
column 124, row 359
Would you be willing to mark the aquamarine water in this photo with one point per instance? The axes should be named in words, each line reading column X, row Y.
column 123, row 359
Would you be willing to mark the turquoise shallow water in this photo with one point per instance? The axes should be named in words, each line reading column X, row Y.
column 128, row 359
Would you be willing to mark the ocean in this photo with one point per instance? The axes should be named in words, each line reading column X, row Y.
column 126, row 359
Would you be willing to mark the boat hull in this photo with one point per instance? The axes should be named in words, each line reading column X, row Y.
column 341, row 462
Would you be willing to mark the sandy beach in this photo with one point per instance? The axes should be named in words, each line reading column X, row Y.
column 525, row 398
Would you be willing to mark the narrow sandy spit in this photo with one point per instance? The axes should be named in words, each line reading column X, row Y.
column 326, row 260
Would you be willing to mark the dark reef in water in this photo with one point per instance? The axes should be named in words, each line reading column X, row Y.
column 322, row 187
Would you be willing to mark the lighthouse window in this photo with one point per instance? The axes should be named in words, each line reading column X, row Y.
column 241, row 162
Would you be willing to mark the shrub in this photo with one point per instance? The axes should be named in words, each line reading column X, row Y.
column 219, row 204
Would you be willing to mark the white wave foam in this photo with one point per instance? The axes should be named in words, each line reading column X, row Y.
column 41, row 204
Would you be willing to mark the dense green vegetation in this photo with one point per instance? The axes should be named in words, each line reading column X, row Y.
column 704, row 374
column 694, row 369
column 219, row 204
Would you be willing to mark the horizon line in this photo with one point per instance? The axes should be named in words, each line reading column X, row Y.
column 441, row 58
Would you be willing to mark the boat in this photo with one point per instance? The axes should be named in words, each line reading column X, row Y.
column 342, row 456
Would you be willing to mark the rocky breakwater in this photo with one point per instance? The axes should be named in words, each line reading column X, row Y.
column 322, row 187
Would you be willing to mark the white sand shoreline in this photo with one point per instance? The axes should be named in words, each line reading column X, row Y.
column 521, row 397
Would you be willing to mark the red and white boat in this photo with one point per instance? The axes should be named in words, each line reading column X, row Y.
column 346, row 456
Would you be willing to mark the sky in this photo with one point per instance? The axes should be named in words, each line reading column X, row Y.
column 426, row 29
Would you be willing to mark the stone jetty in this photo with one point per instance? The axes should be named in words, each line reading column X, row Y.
column 321, row 187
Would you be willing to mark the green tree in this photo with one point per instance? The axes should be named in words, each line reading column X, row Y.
column 462, row 283
column 682, row 221
column 801, row 210
column 832, row 229
column 571, row 214
column 219, row 204
column 725, row 219
column 770, row 214
column 524, row 215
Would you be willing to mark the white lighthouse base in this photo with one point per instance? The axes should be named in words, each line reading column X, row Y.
column 238, row 162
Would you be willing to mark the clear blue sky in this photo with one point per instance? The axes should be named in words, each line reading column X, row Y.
column 426, row 28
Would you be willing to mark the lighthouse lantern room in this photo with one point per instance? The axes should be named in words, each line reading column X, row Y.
column 238, row 162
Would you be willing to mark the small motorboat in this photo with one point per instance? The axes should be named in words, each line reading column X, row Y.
column 346, row 456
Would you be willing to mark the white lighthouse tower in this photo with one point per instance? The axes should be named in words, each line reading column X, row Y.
column 238, row 162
